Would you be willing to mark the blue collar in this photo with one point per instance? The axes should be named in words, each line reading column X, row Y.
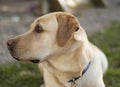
column 83, row 72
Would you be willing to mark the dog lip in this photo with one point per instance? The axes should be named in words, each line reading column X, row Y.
column 35, row 61
column 18, row 59
column 15, row 57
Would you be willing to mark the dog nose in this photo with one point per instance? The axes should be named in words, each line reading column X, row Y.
column 11, row 43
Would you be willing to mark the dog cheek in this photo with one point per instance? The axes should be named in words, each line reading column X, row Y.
column 42, row 54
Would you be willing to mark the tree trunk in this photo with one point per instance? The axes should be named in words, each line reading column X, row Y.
column 99, row 3
column 55, row 6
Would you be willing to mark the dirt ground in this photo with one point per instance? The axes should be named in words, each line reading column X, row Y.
column 15, row 18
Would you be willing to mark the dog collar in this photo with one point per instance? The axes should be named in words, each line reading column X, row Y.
column 83, row 72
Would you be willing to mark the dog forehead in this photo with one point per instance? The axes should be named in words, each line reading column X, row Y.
column 45, row 18
column 51, row 16
column 48, row 22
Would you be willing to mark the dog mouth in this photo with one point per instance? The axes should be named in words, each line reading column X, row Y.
column 22, row 59
column 31, row 60
column 35, row 61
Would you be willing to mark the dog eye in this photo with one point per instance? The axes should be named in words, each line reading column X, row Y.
column 38, row 29
column 77, row 29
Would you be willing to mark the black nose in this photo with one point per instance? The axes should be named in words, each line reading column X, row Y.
column 11, row 44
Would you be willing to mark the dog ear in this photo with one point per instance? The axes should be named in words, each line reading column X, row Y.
column 67, row 25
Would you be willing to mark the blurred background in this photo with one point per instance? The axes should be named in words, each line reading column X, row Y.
column 100, row 19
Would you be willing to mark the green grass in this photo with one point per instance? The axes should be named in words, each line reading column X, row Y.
column 22, row 74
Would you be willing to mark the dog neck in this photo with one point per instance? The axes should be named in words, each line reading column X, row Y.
column 67, row 66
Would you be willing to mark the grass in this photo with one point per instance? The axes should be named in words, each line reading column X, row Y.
column 22, row 74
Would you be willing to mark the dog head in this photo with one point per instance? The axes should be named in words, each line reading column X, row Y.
column 48, row 35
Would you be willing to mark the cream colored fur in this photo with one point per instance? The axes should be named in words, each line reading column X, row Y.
column 62, row 59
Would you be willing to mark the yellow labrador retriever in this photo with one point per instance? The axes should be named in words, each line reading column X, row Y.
column 60, row 46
